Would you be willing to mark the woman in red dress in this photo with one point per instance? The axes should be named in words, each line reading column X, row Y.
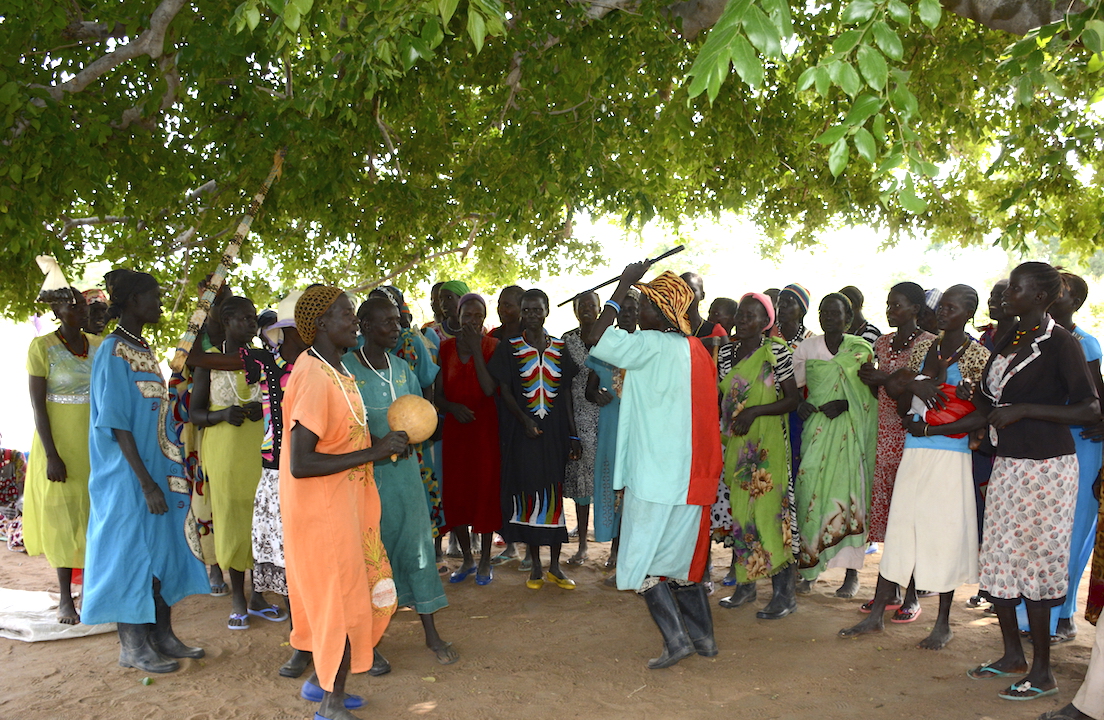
column 465, row 393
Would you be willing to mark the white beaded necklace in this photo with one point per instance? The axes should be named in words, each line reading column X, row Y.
column 390, row 375
column 363, row 419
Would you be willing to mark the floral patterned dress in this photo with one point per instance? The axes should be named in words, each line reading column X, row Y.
column 753, row 512
column 891, row 434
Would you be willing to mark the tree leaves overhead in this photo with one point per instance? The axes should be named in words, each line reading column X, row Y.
column 420, row 132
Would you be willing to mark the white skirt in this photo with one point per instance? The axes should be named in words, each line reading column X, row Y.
column 932, row 532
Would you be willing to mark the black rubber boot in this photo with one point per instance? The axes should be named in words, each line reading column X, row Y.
column 743, row 594
column 137, row 651
column 784, row 600
column 296, row 664
column 163, row 639
column 693, row 602
column 665, row 612
column 380, row 666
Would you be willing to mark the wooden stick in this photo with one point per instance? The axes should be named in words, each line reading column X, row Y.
column 673, row 251
column 203, row 307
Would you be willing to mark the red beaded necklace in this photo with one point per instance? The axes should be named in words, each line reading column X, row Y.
column 1021, row 333
column 69, row 347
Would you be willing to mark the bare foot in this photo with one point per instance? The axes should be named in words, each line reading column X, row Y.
column 1069, row 712
column 446, row 654
column 939, row 637
column 67, row 613
column 871, row 624
column 850, row 585
column 805, row 587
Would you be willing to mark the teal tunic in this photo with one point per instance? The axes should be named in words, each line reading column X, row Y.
column 405, row 525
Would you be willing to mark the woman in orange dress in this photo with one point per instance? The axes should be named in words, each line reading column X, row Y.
column 338, row 575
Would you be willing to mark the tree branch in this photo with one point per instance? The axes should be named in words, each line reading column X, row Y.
column 172, row 81
column 151, row 42
column 386, row 135
column 463, row 250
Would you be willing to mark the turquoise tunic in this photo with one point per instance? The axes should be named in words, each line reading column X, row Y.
column 404, row 523
column 128, row 546
column 607, row 519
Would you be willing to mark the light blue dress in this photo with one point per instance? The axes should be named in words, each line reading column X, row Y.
column 607, row 519
column 128, row 546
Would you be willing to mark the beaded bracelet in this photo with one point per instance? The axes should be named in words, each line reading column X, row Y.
column 573, row 437
column 615, row 306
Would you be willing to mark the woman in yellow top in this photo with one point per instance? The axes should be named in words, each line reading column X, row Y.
column 229, row 408
column 55, row 504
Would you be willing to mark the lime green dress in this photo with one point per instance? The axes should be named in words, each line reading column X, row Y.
column 231, row 458
column 55, row 514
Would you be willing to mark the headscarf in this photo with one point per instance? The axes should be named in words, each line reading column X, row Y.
column 123, row 284
column 313, row 304
column 285, row 317
column 912, row 292
column 390, row 292
column 456, row 287
column 799, row 292
column 471, row 296
column 932, row 298
column 672, row 296
column 95, row 295
column 767, row 305
column 55, row 288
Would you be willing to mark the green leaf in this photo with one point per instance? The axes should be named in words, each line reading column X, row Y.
column 1093, row 36
column 477, row 28
column 804, row 81
column 831, row 135
column 904, row 101
column 908, row 198
column 880, row 127
column 846, row 42
column 837, row 157
column 849, row 79
column 930, row 12
column 16, row 173
column 303, row 5
column 710, row 67
column 888, row 41
column 1096, row 63
column 899, row 12
column 779, row 12
column 864, row 144
column 252, row 17
column 873, row 66
column 446, row 9
column 292, row 17
column 863, row 108
column 762, row 33
column 747, row 62
column 823, row 80
column 858, row 11
column 1025, row 90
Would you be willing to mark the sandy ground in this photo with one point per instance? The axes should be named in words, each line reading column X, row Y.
column 544, row 654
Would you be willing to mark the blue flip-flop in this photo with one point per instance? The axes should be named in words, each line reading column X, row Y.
column 270, row 613
column 462, row 575
column 1025, row 687
column 983, row 672
column 484, row 579
column 314, row 693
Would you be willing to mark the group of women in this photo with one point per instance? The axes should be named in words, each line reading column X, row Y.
column 829, row 443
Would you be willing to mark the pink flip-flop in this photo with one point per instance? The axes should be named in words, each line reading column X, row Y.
column 867, row 606
column 905, row 617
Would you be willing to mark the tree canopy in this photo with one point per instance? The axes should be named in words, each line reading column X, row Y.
column 417, row 130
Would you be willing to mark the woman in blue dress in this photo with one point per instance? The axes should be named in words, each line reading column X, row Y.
column 142, row 552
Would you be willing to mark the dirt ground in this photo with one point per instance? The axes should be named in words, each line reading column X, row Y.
column 547, row 654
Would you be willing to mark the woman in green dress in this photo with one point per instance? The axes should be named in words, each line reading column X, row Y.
column 229, row 408
column 55, row 504
column 405, row 526
column 753, row 511
column 833, row 485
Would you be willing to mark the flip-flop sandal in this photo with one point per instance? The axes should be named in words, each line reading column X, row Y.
column 728, row 581
column 867, row 606
column 238, row 622
column 1034, row 693
column 314, row 693
column 525, row 565
column 986, row 671
column 573, row 560
column 976, row 602
column 484, row 580
column 502, row 559
column 905, row 616
column 462, row 575
column 219, row 590
column 270, row 613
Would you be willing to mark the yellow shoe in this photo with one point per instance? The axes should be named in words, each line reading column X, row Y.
column 565, row 583
column 534, row 584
